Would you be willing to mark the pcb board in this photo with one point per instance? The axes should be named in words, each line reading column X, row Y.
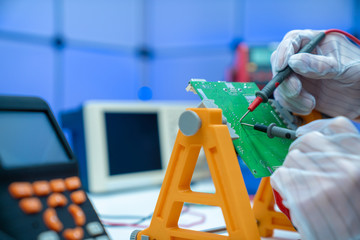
column 261, row 154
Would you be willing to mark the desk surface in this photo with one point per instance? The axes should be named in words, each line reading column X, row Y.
column 127, row 208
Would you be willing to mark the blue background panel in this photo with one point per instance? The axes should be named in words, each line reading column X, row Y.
column 356, row 23
column 185, row 39
column 94, row 75
column 108, row 22
column 266, row 21
column 27, row 69
column 27, row 16
column 187, row 22
column 170, row 76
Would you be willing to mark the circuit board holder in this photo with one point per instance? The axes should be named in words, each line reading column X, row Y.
column 267, row 218
column 231, row 196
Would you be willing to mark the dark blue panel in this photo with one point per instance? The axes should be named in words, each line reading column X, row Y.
column 35, row 16
column 93, row 75
column 132, row 154
column 169, row 76
column 111, row 22
column 26, row 69
column 357, row 125
column 270, row 20
column 187, row 22
column 356, row 11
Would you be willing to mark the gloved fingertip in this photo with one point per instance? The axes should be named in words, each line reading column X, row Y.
column 273, row 63
column 291, row 87
column 313, row 66
column 302, row 110
column 308, row 100
column 283, row 52
column 284, row 101
column 289, row 52
column 305, row 107
column 299, row 63
column 302, row 104
column 341, row 123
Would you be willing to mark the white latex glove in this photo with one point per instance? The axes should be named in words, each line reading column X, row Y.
column 320, row 180
column 328, row 79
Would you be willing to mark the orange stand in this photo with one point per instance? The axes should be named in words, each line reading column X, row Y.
column 314, row 115
column 267, row 218
column 230, row 195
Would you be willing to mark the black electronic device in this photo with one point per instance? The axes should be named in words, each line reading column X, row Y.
column 41, row 196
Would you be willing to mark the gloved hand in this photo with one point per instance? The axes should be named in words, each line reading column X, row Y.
column 327, row 79
column 319, row 181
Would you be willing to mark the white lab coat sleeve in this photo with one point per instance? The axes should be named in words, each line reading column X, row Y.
column 319, row 181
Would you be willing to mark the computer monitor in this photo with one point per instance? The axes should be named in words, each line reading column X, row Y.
column 125, row 144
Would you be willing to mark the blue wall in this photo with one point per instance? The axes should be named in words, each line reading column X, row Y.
column 68, row 51
column 270, row 20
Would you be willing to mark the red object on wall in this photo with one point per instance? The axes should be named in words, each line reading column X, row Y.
column 241, row 62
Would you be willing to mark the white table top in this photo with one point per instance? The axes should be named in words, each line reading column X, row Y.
column 131, row 206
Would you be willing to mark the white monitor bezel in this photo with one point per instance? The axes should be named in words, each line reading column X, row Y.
column 99, row 179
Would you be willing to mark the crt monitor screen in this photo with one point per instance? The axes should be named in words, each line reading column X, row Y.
column 133, row 142
column 29, row 139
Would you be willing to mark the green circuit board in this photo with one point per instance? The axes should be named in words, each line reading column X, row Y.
column 261, row 154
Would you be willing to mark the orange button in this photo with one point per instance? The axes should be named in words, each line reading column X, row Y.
column 57, row 185
column 72, row 183
column 30, row 205
column 78, row 197
column 77, row 214
column 41, row 188
column 73, row 234
column 56, row 200
column 51, row 220
column 20, row 189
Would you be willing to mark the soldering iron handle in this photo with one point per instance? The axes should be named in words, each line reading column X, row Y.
column 268, row 90
column 274, row 131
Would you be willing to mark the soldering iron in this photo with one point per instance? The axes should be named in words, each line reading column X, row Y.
column 267, row 91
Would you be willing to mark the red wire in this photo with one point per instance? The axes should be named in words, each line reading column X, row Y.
column 200, row 221
column 354, row 39
column 185, row 210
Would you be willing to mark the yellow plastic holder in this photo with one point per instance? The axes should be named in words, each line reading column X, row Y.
column 268, row 219
column 230, row 191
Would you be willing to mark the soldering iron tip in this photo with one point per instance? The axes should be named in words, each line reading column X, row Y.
column 246, row 124
column 244, row 116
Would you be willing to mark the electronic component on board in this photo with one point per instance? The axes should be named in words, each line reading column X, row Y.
column 261, row 154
